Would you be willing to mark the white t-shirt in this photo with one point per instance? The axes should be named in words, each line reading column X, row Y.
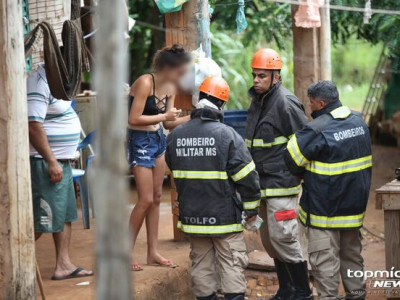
column 59, row 119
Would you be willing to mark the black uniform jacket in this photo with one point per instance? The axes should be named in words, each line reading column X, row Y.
column 333, row 154
column 272, row 119
column 210, row 164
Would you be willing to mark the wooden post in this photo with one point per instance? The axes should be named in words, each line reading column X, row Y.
column 325, row 42
column 190, row 27
column 388, row 199
column 182, row 29
column 108, row 180
column 306, row 60
column 17, row 249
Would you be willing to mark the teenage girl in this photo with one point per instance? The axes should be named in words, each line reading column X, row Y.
column 152, row 99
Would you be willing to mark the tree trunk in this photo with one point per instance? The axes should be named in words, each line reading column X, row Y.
column 306, row 60
column 108, row 178
column 17, row 249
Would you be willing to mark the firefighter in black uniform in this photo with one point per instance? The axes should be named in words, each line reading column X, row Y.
column 333, row 155
column 210, row 163
column 276, row 114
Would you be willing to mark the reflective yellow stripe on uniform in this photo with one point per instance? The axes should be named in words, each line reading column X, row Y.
column 332, row 222
column 248, row 143
column 341, row 112
column 244, row 171
column 199, row 174
column 295, row 152
column 348, row 166
column 210, row 229
column 260, row 142
column 251, row 205
column 280, row 192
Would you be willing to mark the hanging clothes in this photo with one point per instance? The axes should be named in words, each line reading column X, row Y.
column 367, row 12
column 167, row 6
column 241, row 22
column 307, row 16
column 64, row 65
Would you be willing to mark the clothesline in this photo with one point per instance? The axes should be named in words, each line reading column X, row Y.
column 37, row 21
column 341, row 7
column 295, row 2
column 303, row 59
column 331, row 6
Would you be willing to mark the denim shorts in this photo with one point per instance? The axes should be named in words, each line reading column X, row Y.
column 144, row 147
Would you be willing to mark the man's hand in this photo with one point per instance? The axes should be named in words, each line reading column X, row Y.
column 38, row 139
column 251, row 219
column 55, row 171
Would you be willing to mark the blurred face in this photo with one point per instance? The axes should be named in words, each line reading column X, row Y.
column 174, row 75
column 262, row 80
column 316, row 104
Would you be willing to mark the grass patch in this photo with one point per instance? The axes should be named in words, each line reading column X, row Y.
column 353, row 96
column 353, row 67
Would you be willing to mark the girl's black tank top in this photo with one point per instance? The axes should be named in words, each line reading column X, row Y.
column 154, row 105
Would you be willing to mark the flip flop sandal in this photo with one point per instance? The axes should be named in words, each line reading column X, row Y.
column 73, row 274
column 136, row 267
column 167, row 263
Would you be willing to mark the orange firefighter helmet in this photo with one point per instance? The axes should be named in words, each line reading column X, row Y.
column 267, row 59
column 216, row 87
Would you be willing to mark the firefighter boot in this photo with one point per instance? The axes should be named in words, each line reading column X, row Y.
column 211, row 297
column 286, row 289
column 299, row 274
column 234, row 296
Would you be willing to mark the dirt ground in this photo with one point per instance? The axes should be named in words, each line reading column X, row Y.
column 151, row 283
column 174, row 284
column 262, row 285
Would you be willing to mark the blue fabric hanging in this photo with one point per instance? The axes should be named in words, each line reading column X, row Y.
column 241, row 22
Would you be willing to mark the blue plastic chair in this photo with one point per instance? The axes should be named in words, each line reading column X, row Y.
column 89, row 160
column 79, row 177
column 89, row 139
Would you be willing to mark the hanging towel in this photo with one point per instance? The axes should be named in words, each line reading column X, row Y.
column 167, row 6
column 64, row 66
column 307, row 15
column 241, row 22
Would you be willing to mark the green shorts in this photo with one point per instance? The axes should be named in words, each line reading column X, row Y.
column 53, row 204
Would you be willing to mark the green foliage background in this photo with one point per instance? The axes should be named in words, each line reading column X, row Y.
column 356, row 46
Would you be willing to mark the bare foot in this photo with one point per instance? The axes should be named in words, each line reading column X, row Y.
column 157, row 259
column 154, row 258
column 136, row 267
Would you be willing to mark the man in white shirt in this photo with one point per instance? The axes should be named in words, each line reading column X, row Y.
column 54, row 132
